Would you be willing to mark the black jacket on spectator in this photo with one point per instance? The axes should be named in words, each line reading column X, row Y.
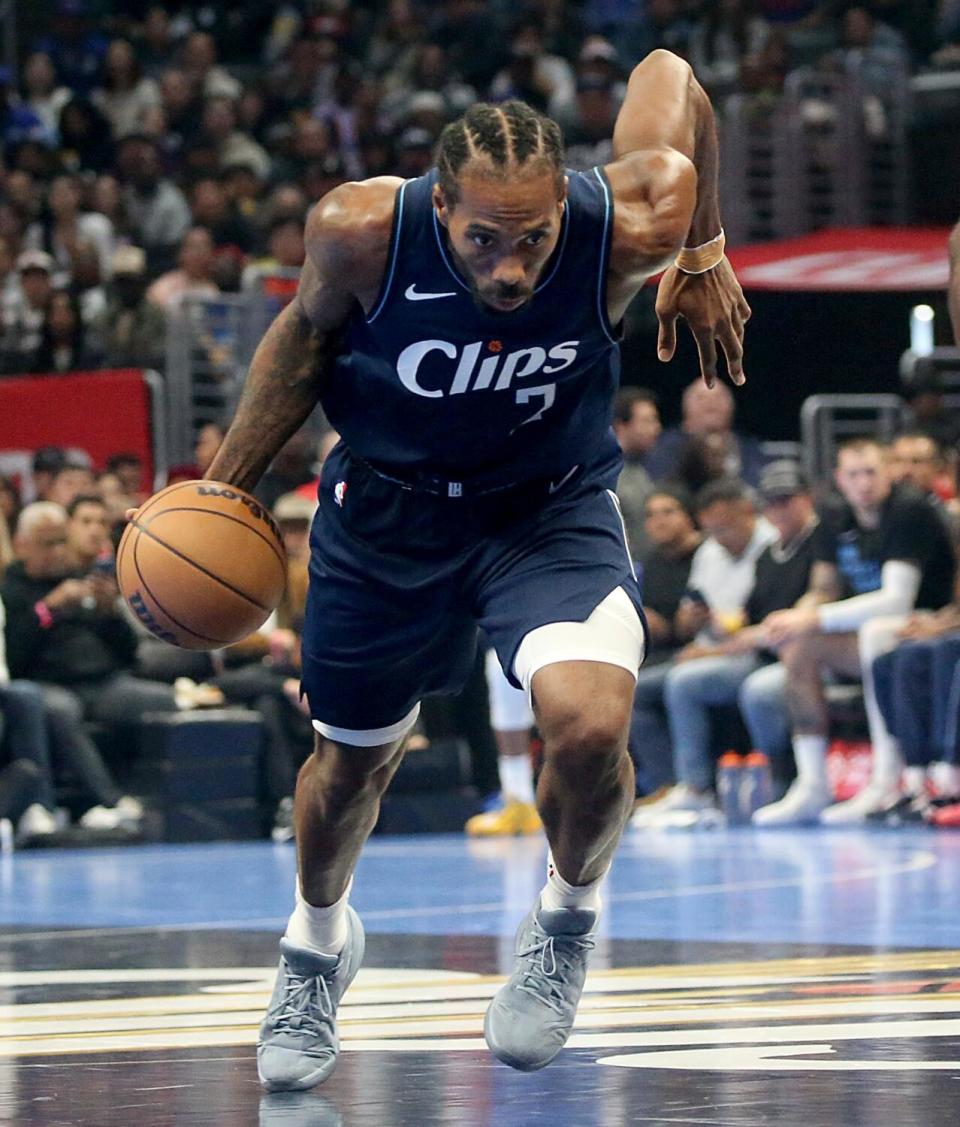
column 80, row 645
column 664, row 582
column 910, row 529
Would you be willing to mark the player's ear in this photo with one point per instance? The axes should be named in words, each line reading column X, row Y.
column 440, row 203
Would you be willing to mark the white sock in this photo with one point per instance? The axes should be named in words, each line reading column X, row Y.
column 810, row 753
column 516, row 777
column 945, row 778
column 323, row 930
column 913, row 780
column 558, row 894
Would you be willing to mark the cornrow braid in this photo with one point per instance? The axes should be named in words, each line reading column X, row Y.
column 508, row 136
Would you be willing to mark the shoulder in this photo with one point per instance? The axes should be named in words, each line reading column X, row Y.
column 350, row 229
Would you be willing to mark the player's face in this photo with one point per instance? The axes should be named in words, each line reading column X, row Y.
column 862, row 477
column 502, row 233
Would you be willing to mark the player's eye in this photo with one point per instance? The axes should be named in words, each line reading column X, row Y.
column 480, row 240
column 535, row 238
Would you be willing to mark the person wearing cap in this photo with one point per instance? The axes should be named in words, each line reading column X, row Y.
column 882, row 552
column 133, row 331
column 739, row 670
column 23, row 325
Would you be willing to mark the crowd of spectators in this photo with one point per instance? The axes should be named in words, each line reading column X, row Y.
column 763, row 589
column 151, row 151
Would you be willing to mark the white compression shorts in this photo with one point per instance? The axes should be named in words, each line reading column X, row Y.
column 613, row 634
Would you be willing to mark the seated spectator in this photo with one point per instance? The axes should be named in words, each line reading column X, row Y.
column 88, row 535
column 47, row 462
column 125, row 94
column 69, row 481
column 589, row 127
column 86, row 287
column 64, row 227
column 193, row 276
column 11, row 295
column 23, row 331
column 158, row 211
column 41, row 92
column 708, row 414
column 86, row 143
column 69, row 634
column 739, row 670
column 62, row 344
column 726, row 33
column 636, row 423
column 133, row 330
column 881, row 552
column 929, row 412
column 23, row 739
column 18, row 121
column 199, row 60
column 721, row 577
column 211, row 208
column 129, row 469
column 533, row 75
column 219, row 142
column 75, row 48
column 918, row 693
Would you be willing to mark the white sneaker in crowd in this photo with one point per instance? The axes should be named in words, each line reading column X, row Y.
column 800, row 806
column 127, row 814
column 679, row 799
column 876, row 795
column 36, row 821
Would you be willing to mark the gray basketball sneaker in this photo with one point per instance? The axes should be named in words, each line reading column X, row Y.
column 298, row 1043
column 531, row 1015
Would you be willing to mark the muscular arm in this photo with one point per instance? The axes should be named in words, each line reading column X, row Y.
column 347, row 238
column 953, row 292
column 665, row 186
column 666, row 110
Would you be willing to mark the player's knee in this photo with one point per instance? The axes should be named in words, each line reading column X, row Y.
column 585, row 739
column 357, row 768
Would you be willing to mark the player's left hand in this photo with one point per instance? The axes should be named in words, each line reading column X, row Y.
column 714, row 307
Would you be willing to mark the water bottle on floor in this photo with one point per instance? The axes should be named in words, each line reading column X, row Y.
column 730, row 772
column 756, row 788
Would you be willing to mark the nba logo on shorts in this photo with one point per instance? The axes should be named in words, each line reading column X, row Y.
column 339, row 492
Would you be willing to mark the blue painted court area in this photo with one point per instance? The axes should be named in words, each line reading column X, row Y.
column 872, row 888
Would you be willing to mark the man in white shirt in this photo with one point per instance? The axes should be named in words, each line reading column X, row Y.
column 721, row 578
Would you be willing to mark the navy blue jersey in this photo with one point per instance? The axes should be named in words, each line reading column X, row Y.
column 432, row 384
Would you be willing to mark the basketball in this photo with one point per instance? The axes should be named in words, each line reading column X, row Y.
column 201, row 565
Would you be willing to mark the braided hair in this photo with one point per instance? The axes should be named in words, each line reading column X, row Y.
column 509, row 136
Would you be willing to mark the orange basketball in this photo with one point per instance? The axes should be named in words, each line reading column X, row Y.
column 202, row 564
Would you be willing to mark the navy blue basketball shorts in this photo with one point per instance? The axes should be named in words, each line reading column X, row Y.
column 400, row 582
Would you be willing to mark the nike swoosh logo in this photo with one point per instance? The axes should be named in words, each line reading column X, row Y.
column 411, row 294
column 555, row 485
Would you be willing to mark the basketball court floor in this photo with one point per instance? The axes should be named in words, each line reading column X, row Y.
column 795, row 978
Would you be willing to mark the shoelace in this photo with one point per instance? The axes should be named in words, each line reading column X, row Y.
column 543, row 982
column 301, row 998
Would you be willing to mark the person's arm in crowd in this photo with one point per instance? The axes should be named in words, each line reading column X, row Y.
column 896, row 595
column 664, row 178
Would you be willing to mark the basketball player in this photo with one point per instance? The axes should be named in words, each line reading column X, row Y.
column 460, row 330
